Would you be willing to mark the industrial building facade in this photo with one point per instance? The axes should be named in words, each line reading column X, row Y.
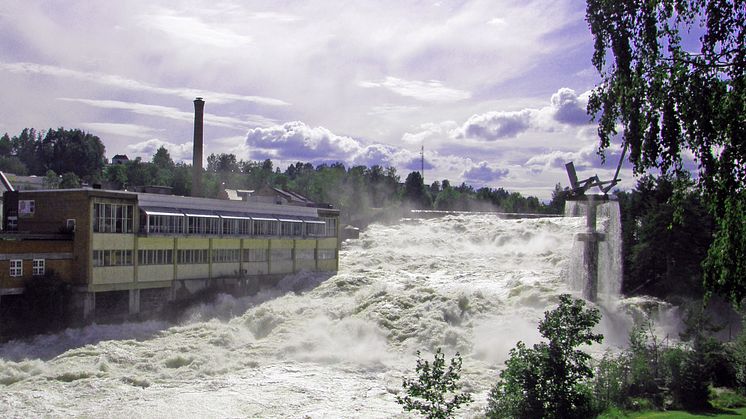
column 142, row 250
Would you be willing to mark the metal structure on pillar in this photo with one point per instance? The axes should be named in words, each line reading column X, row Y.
column 591, row 238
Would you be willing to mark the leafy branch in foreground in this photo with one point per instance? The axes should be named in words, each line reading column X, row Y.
column 428, row 393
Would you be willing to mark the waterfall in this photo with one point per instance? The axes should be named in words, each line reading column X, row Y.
column 608, row 223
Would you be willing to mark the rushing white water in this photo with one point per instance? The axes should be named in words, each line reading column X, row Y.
column 608, row 222
column 316, row 347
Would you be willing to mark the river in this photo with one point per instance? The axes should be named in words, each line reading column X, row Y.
column 317, row 347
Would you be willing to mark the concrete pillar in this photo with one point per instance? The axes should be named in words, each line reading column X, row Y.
column 134, row 306
column 199, row 109
column 590, row 249
column 89, row 305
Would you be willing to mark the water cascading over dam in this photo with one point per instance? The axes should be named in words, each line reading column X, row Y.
column 599, row 279
column 317, row 347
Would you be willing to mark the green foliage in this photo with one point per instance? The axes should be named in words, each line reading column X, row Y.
column 664, row 243
column 550, row 380
column 415, row 193
column 725, row 267
column 69, row 180
column 58, row 150
column 651, row 374
column 429, row 393
column 738, row 354
column 672, row 98
column 13, row 165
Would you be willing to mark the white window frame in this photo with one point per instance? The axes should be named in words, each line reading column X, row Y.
column 16, row 268
column 38, row 267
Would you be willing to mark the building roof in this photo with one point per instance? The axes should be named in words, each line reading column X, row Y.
column 21, row 183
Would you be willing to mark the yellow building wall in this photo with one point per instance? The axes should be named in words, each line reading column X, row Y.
column 110, row 241
column 281, row 243
column 328, row 243
column 305, row 265
column 256, row 268
column 154, row 273
column 226, row 243
column 113, row 274
column 192, row 271
column 225, row 269
column 327, row 265
column 149, row 243
column 193, row 243
column 255, row 243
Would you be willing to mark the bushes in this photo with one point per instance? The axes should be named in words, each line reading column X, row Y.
column 549, row 380
column 427, row 394
column 554, row 379
column 653, row 374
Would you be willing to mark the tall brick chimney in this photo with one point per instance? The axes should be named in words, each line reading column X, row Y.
column 199, row 110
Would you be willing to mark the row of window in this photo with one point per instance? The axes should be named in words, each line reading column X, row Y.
column 112, row 218
column 16, row 267
column 195, row 256
column 214, row 225
column 112, row 257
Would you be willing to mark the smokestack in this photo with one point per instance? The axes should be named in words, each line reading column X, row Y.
column 199, row 110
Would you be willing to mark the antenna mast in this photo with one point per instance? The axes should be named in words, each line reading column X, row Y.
column 422, row 162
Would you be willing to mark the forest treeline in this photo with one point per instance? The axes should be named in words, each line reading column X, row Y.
column 78, row 157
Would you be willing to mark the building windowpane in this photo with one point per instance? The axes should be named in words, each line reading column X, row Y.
column 16, row 267
column 38, row 267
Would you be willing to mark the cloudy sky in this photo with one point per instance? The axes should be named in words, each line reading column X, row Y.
column 495, row 90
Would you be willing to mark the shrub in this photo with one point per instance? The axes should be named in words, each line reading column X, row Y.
column 428, row 393
column 549, row 380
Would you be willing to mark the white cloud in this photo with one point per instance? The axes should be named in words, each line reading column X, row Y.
column 430, row 132
column 428, row 91
column 146, row 150
column 565, row 109
column 296, row 140
column 172, row 113
column 126, row 130
column 195, row 31
column 115, row 81
column 493, row 126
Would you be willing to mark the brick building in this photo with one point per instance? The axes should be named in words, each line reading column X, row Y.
column 136, row 251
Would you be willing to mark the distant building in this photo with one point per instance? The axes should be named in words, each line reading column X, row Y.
column 236, row 194
column 120, row 159
column 141, row 250
column 271, row 195
column 25, row 183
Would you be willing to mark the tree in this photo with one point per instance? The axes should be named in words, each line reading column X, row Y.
column 663, row 248
column 73, row 151
column 559, row 196
column 51, row 180
column 69, row 181
column 414, row 191
column 549, row 380
column 6, row 146
column 428, row 393
column 162, row 159
column 672, row 98
column 13, row 165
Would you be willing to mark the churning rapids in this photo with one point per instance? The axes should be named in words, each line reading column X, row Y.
column 317, row 347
